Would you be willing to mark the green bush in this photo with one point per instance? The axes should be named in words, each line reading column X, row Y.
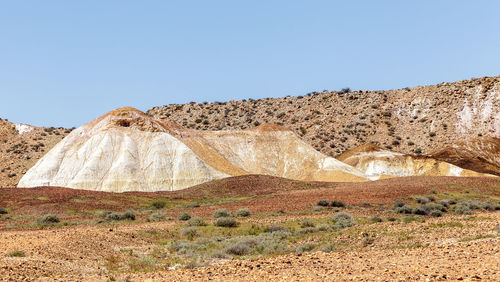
column 221, row 213
column 184, row 216
column 337, row 204
column 48, row 219
column 323, row 203
column 196, row 221
column 243, row 212
column 158, row 204
column 226, row 222
column 343, row 220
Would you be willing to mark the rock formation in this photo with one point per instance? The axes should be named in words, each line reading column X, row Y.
column 127, row 150
column 377, row 162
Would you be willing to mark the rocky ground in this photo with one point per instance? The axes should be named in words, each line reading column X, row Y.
column 381, row 245
column 417, row 120
column 22, row 147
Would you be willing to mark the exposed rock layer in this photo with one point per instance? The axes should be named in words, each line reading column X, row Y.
column 126, row 150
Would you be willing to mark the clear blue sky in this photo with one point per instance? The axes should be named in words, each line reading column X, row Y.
column 63, row 63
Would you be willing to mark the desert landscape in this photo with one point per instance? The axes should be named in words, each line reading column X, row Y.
column 249, row 141
column 136, row 196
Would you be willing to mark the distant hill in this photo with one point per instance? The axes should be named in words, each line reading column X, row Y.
column 417, row 120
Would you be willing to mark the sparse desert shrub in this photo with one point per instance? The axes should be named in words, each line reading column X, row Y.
column 392, row 219
column 48, row 219
column 446, row 202
column 436, row 213
column 409, row 219
column 323, row 203
column 221, row 213
column 473, row 204
column 189, row 232
column 398, row 203
column 488, row 206
column 307, row 247
column 404, row 209
column 3, row 211
column 157, row 216
column 462, row 208
column 117, row 216
column 420, row 210
column 275, row 228
column 343, row 220
column 368, row 241
column 422, row 200
column 196, row 221
column 337, row 204
column 19, row 254
column 194, row 205
column 376, row 219
column 307, row 223
column 328, row 248
column 238, row 249
column 158, row 204
column 102, row 213
column 184, row 216
column 130, row 215
column 243, row 212
column 226, row 222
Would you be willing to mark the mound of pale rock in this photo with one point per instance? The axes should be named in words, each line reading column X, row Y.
column 127, row 150
column 377, row 162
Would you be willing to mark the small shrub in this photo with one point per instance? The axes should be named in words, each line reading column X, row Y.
column 130, row 215
column 436, row 213
column 368, row 241
column 307, row 223
column 18, row 254
column 404, row 209
column 102, row 213
column 157, row 216
column 238, row 249
column 48, row 219
column 376, row 219
column 323, row 203
column 343, row 220
column 473, row 204
column 398, row 203
column 243, row 212
column 3, row 211
column 307, row 247
column 392, row 219
column 422, row 200
column 226, row 222
column 462, row 208
column 184, row 216
column 196, row 221
column 158, row 204
column 116, row 216
column 195, row 205
column 275, row 228
column 337, row 204
column 328, row 248
column 189, row 233
column 420, row 210
column 221, row 213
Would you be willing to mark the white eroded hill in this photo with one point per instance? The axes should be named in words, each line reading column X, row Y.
column 127, row 150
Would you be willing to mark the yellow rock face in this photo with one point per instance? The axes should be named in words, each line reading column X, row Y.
column 126, row 150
